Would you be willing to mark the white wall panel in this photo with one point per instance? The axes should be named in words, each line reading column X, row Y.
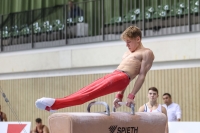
column 168, row 48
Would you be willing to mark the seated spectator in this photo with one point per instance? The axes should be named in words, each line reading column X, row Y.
column 173, row 109
column 152, row 105
column 74, row 10
column 2, row 116
column 39, row 127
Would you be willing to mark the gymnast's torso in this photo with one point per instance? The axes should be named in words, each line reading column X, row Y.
column 131, row 62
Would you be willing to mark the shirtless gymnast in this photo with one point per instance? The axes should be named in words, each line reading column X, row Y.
column 136, row 62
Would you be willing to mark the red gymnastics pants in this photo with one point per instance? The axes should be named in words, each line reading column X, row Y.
column 116, row 81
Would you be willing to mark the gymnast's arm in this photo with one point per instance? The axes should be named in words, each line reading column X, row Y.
column 146, row 64
column 165, row 112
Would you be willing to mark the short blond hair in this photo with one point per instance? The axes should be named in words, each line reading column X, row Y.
column 131, row 32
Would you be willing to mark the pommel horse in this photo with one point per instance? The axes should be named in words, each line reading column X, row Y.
column 106, row 122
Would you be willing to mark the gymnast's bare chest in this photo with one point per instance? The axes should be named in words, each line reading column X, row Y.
column 133, row 56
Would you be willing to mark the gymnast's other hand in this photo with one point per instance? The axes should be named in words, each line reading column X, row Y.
column 115, row 102
column 129, row 102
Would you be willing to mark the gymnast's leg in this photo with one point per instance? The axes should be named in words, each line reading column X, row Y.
column 110, row 83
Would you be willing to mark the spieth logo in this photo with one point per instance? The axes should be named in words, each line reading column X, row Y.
column 113, row 128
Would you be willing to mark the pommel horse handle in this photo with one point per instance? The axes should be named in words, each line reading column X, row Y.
column 124, row 103
column 99, row 103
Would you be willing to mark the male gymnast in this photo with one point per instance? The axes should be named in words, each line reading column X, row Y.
column 137, row 61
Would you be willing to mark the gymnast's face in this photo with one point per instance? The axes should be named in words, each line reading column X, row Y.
column 152, row 95
column 132, row 43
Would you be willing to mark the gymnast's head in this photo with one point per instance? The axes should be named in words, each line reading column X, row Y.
column 152, row 94
column 132, row 36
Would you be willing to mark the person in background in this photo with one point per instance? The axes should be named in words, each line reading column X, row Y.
column 74, row 10
column 2, row 116
column 173, row 109
column 152, row 105
column 40, row 128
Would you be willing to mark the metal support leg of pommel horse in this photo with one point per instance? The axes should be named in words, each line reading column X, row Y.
column 108, row 122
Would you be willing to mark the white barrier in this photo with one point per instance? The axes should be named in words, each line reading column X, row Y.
column 15, row 127
column 184, row 127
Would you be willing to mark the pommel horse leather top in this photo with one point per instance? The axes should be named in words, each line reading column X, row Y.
column 115, row 122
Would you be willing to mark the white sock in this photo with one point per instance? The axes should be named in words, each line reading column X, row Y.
column 42, row 103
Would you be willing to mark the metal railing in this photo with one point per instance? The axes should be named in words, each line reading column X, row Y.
column 95, row 21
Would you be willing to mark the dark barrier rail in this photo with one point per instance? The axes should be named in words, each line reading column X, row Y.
column 96, row 21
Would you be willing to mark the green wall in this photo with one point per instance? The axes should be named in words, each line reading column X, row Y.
column 9, row 6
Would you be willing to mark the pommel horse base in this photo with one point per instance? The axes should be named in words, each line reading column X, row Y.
column 115, row 122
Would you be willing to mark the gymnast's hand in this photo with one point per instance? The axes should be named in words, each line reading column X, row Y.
column 115, row 102
column 129, row 102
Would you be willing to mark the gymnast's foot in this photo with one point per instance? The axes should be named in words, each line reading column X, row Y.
column 45, row 104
